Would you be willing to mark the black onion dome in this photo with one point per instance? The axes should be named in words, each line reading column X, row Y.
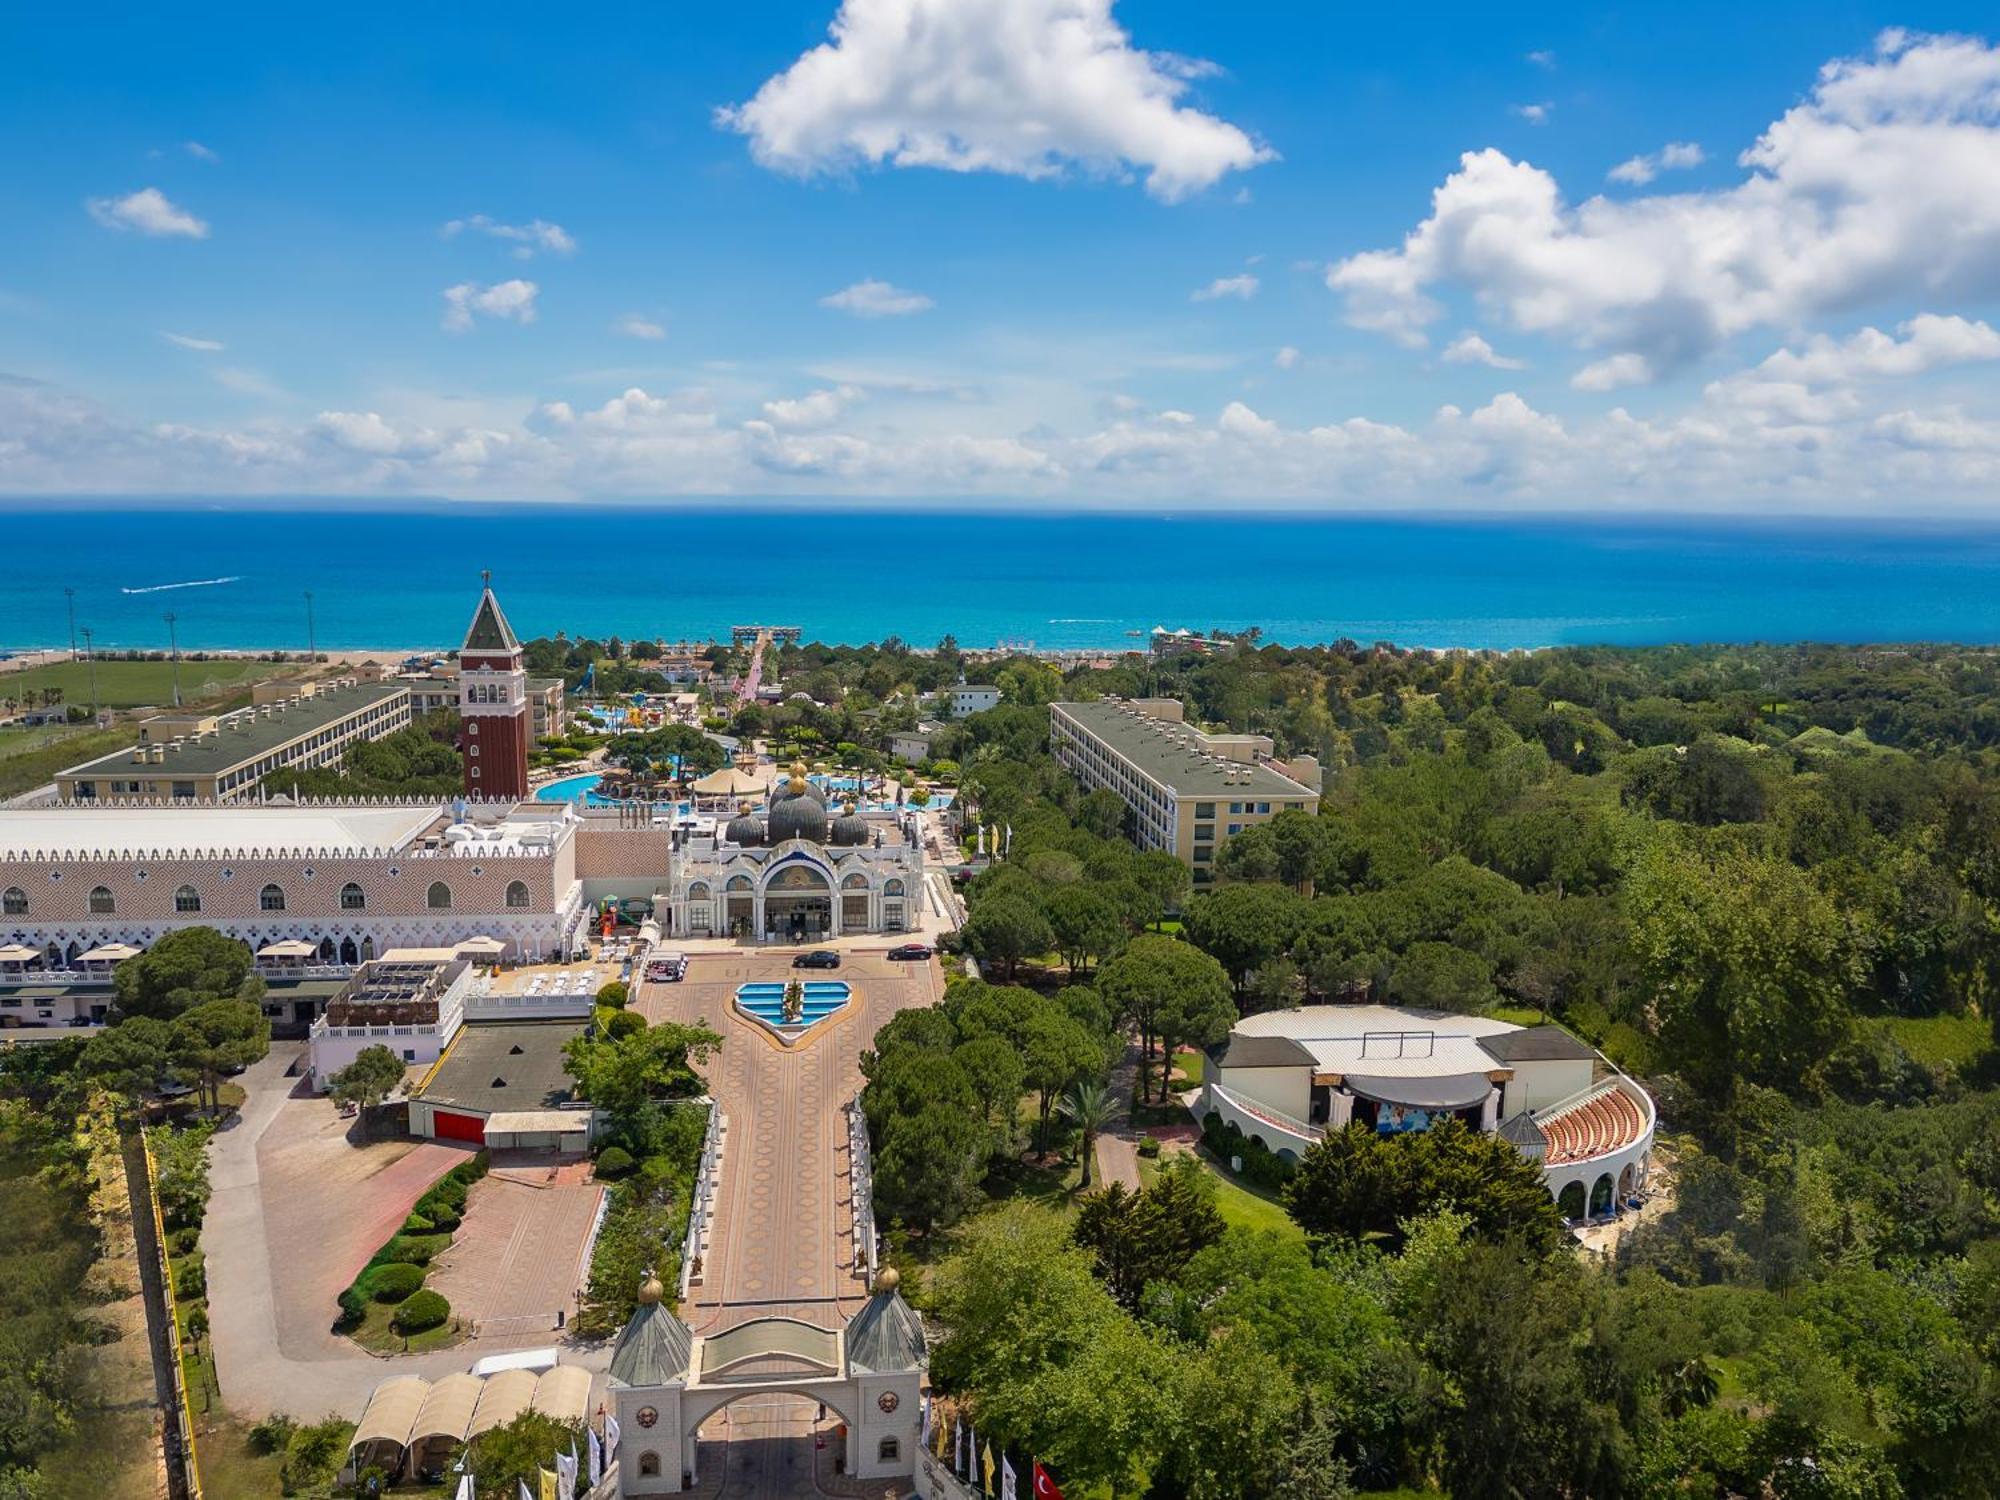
column 745, row 827
column 797, row 818
column 850, row 827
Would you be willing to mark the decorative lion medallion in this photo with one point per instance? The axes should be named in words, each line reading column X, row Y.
column 888, row 1401
column 648, row 1416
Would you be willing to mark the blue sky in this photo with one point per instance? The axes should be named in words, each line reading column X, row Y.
column 279, row 188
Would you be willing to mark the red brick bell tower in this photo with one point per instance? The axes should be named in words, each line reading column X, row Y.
column 495, row 719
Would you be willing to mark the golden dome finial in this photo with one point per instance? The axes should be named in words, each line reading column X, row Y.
column 888, row 1279
column 650, row 1290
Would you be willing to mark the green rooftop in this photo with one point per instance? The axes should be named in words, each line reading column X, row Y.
column 246, row 735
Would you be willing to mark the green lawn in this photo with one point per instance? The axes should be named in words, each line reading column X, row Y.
column 31, row 757
column 131, row 684
column 1516, row 1015
column 374, row 1333
column 1942, row 1039
column 1241, row 1207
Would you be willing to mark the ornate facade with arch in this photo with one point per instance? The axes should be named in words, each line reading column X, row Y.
column 666, row 1380
column 798, row 873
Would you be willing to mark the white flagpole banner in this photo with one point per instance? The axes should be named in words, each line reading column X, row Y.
column 465, row 1490
column 596, row 1459
column 610, row 1437
column 1006, row 1478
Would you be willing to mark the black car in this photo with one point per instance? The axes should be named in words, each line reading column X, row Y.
column 819, row 958
column 910, row 952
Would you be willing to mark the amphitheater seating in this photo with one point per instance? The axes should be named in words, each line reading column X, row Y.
column 1601, row 1121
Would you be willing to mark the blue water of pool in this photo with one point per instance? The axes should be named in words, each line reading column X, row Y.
column 584, row 789
column 765, row 999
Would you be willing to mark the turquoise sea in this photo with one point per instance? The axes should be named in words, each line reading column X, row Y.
column 236, row 577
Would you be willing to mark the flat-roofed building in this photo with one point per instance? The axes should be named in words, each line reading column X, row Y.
column 223, row 757
column 347, row 881
column 413, row 1007
column 1188, row 791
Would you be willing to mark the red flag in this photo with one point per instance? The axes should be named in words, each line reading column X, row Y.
column 1045, row 1487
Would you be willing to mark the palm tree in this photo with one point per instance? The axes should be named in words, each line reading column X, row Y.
column 1091, row 1107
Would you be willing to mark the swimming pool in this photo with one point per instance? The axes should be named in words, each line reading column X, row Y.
column 584, row 789
column 765, row 1000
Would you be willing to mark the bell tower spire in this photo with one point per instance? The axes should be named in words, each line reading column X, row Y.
column 494, row 715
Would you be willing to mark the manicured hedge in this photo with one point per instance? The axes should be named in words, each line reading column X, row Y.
column 614, row 1161
column 395, row 1283
column 423, row 1311
column 413, row 1249
column 425, row 1234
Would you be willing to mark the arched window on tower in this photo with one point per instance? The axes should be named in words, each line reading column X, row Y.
column 438, row 898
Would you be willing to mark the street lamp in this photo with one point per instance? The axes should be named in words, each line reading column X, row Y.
column 174, row 643
column 69, row 595
column 90, row 656
column 312, row 651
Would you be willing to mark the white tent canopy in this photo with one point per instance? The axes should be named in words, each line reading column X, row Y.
column 19, row 953
column 110, row 953
column 481, row 945
column 288, row 948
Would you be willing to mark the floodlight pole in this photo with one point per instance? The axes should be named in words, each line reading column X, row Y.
column 69, row 597
column 312, row 650
column 174, row 645
column 90, row 656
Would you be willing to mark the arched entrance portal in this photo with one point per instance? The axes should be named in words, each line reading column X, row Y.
column 666, row 1382
column 798, row 903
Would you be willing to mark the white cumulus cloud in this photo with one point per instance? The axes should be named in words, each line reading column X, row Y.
column 1673, row 157
column 1535, row 114
column 1885, row 178
column 877, row 299
column 819, row 409
column 1287, row 358
column 1242, row 287
column 1926, row 342
column 1029, row 88
column 148, row 212
column 1470, row 349
column 637, row 326
column 505, row 300
column 189, row 341
column 527, row 239
column 200, row 152
column 1611, row 374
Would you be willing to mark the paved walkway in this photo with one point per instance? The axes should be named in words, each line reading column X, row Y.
column 518, row 1257
column 781, row 1241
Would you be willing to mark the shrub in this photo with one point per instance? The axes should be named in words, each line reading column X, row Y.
column 417, row 1224
column 614, row 994
column 614, row 1161
column 353, row 1303
column 413, row 1249
column 395, row 1283
column 423, row 1311
column 190, row 1278
column 1149, row 1146
column 273, row 1434
column 314, row 1455
column 183, row 1241
column 624, row 1023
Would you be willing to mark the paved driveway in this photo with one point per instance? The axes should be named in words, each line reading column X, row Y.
column 295, row 1211
column 518, row 1257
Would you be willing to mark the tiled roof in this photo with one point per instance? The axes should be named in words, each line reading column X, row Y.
column 490, row 630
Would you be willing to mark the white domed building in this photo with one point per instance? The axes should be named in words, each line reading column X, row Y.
column 797, row 871
column 1286, row 1077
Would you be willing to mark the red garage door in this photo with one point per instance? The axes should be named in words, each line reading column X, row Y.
column 450, row 1127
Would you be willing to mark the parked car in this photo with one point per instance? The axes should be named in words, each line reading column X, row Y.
column 819, row 958
column 910, row 952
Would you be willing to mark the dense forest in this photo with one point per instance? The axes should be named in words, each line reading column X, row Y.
column 1765, row 880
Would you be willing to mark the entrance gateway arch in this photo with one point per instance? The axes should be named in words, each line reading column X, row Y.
column 666, row 1380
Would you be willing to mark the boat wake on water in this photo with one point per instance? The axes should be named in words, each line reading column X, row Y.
column 192, row 583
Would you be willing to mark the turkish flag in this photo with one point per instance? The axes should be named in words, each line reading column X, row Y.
column 1045, row 1487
